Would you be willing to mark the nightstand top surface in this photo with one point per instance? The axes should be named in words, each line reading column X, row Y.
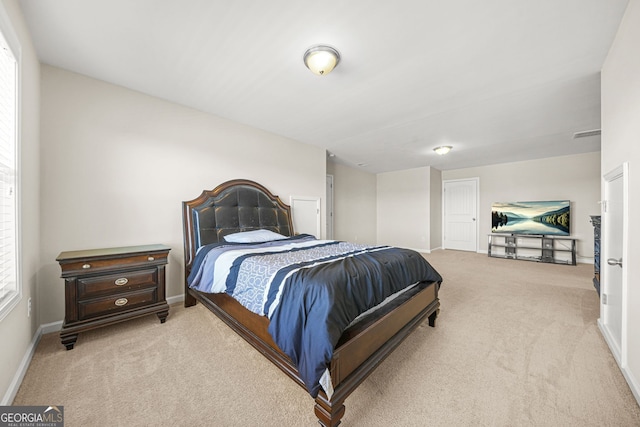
column 125, row 250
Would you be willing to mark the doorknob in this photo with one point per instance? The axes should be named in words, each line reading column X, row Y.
column 613, row 261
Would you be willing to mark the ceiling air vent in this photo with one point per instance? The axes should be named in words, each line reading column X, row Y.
column 587, row 133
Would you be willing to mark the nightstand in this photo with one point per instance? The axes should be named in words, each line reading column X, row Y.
column 106, row 286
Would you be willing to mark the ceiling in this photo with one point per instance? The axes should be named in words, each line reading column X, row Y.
column 499, row 80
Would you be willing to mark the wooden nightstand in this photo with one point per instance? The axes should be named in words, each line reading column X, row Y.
column 106, row 286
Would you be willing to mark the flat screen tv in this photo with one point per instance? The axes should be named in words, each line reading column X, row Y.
column 551, row 218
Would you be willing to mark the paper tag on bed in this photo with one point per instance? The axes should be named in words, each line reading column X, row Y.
column 325, row 382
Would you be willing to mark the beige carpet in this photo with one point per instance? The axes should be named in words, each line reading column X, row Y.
column 516, row 344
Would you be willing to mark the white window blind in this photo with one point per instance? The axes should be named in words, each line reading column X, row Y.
column 9, row 285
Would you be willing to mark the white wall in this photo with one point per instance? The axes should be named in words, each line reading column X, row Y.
column 354, row 204
column 403, row 207
column 575, row 178
column 117, row 165
column 17, row 330
column 406, row 206
column 621, row 143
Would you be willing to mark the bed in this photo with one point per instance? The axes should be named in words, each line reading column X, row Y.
column 239, row 207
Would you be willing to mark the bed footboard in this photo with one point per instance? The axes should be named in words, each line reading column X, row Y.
column 364, row 347
column 361, row 349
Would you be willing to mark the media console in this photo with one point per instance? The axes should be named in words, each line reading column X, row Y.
column 539, row 248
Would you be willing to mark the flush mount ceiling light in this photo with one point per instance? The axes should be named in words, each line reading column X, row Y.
column 321, row 59
column 442, row 150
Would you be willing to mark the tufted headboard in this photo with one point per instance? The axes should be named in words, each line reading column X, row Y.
column 238, row 205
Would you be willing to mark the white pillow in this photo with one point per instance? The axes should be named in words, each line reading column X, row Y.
column 255, row 236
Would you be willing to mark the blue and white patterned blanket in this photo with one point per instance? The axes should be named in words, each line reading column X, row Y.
column 310, row 289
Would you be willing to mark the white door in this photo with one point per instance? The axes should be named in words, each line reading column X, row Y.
column 460, row 214
column 305, row 214
column 329, row 207
column 613, row 268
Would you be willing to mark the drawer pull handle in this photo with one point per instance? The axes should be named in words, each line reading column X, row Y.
column 150, row 258
column 85, row 266
column 121, row 301
column 122, row 281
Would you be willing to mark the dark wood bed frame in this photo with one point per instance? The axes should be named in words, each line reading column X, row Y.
column 242, row 205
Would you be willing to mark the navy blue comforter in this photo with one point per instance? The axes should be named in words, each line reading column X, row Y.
column 312, row 290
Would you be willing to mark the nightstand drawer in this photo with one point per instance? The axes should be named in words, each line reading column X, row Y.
column 88, row 266
column 116, row 283
column 116, row 303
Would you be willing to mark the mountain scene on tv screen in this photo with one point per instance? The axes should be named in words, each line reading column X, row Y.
column 546, row 218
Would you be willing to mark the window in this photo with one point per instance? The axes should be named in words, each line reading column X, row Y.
column 10, row 289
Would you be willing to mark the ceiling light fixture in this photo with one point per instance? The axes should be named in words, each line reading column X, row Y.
column 442, row 150
column 321, row 59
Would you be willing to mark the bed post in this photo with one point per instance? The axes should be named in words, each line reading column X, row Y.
column 329, row 413
column 432, row 318
column 189, row 249
column 189, row 300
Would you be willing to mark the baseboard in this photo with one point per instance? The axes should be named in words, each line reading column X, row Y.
column 57, row 326
column 631, row 379
column 26, row 359
column 421, row 251
column 633, row 382
column 613, row 348
column 22, row 370
column 49, row 328
column 175, row 299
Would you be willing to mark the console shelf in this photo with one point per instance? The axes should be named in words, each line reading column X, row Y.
column 550, row 249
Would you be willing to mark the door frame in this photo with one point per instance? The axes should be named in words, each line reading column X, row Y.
column 477, row 216
column 620, row 355
column 330, row 208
